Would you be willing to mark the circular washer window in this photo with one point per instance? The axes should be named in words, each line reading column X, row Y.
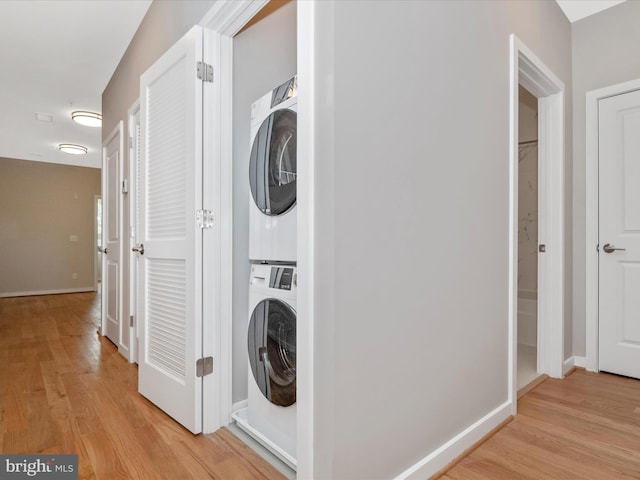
column 273, row 163
column 272, row 350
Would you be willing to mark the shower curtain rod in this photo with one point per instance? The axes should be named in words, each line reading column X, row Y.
column 529, row 142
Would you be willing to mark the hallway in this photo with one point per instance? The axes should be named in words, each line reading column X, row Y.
column 66, row 390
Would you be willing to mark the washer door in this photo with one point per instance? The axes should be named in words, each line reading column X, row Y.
column 272, row 350
column 273, row 163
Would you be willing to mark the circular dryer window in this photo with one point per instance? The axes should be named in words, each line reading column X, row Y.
column 273, row 163
column 272, row 350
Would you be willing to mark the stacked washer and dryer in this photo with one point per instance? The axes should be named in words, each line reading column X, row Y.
column 270, row 416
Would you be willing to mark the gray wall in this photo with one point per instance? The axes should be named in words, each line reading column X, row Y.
column 41, row 206
column 264, row 56
column 411, row 221
column 605, row 52
column 166, row 22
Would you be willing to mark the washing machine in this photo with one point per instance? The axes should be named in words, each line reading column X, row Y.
column 270, row 416
column 272, row 175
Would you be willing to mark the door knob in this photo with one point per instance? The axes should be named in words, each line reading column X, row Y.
column 139, row 249
column 103, row 250
column 608, row 248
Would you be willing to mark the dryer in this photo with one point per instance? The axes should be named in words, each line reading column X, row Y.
column 272, row 175
column 270, row 416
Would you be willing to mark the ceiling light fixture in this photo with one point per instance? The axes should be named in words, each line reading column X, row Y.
column 88, row 119
column 73, row 149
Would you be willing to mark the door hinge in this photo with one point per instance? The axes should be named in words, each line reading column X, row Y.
column 542, row 248
column 204, row 366
column 204, row 71
column 131, row 320
column 204, row 218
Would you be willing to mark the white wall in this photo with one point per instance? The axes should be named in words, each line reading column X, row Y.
column 264, row 56
column 605, row 52
column 411, row 221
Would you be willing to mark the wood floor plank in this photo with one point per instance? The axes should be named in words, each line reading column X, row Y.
column 585, row 427
column 15, row 441
column 66, row 390
column 241, row 452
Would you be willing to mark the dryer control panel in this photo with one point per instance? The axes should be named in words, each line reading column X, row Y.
column 282, row 278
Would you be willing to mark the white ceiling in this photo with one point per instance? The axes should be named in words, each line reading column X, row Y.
column 578, row 9
column 58, row 56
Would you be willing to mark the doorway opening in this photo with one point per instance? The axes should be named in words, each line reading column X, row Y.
column 527, row 238
column 529, row 72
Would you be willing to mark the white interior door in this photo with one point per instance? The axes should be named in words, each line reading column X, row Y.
column 112, row 284
column 170, row 269
column 619, row 234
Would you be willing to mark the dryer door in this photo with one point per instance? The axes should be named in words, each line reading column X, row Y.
column 272, row 350
column 273, row 163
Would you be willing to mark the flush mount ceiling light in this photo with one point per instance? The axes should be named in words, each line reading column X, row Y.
column 73, row 149
column 89, row 119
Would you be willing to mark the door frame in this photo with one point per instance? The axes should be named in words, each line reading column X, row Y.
column 223, row 21
column 132, row 231
column 592, row 223
column 529, row 71
column 220, row 24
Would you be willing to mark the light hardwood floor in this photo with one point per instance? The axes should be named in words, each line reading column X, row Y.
column 65, row 389
column 585, row 427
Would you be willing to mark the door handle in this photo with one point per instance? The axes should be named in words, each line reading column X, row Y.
column 139, row 249
column 608, row 248
column 103, row 250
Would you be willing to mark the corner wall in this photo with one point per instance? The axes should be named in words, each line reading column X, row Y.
column 604, row 52
column 412, row 222
column 41, row 206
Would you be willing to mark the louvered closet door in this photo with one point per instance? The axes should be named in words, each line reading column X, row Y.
column 170, row 280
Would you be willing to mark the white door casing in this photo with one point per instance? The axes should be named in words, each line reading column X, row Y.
column 619, row 228
column 170, row 270
column 111, row 232
column 221, row 23
column 134, row 200
column 529, row 71
column 225, row 20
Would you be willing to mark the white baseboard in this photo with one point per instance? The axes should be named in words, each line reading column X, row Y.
column 574, row 361
column 568, row 364
column 441, row 457
column 580, row 362
column 48, row 292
